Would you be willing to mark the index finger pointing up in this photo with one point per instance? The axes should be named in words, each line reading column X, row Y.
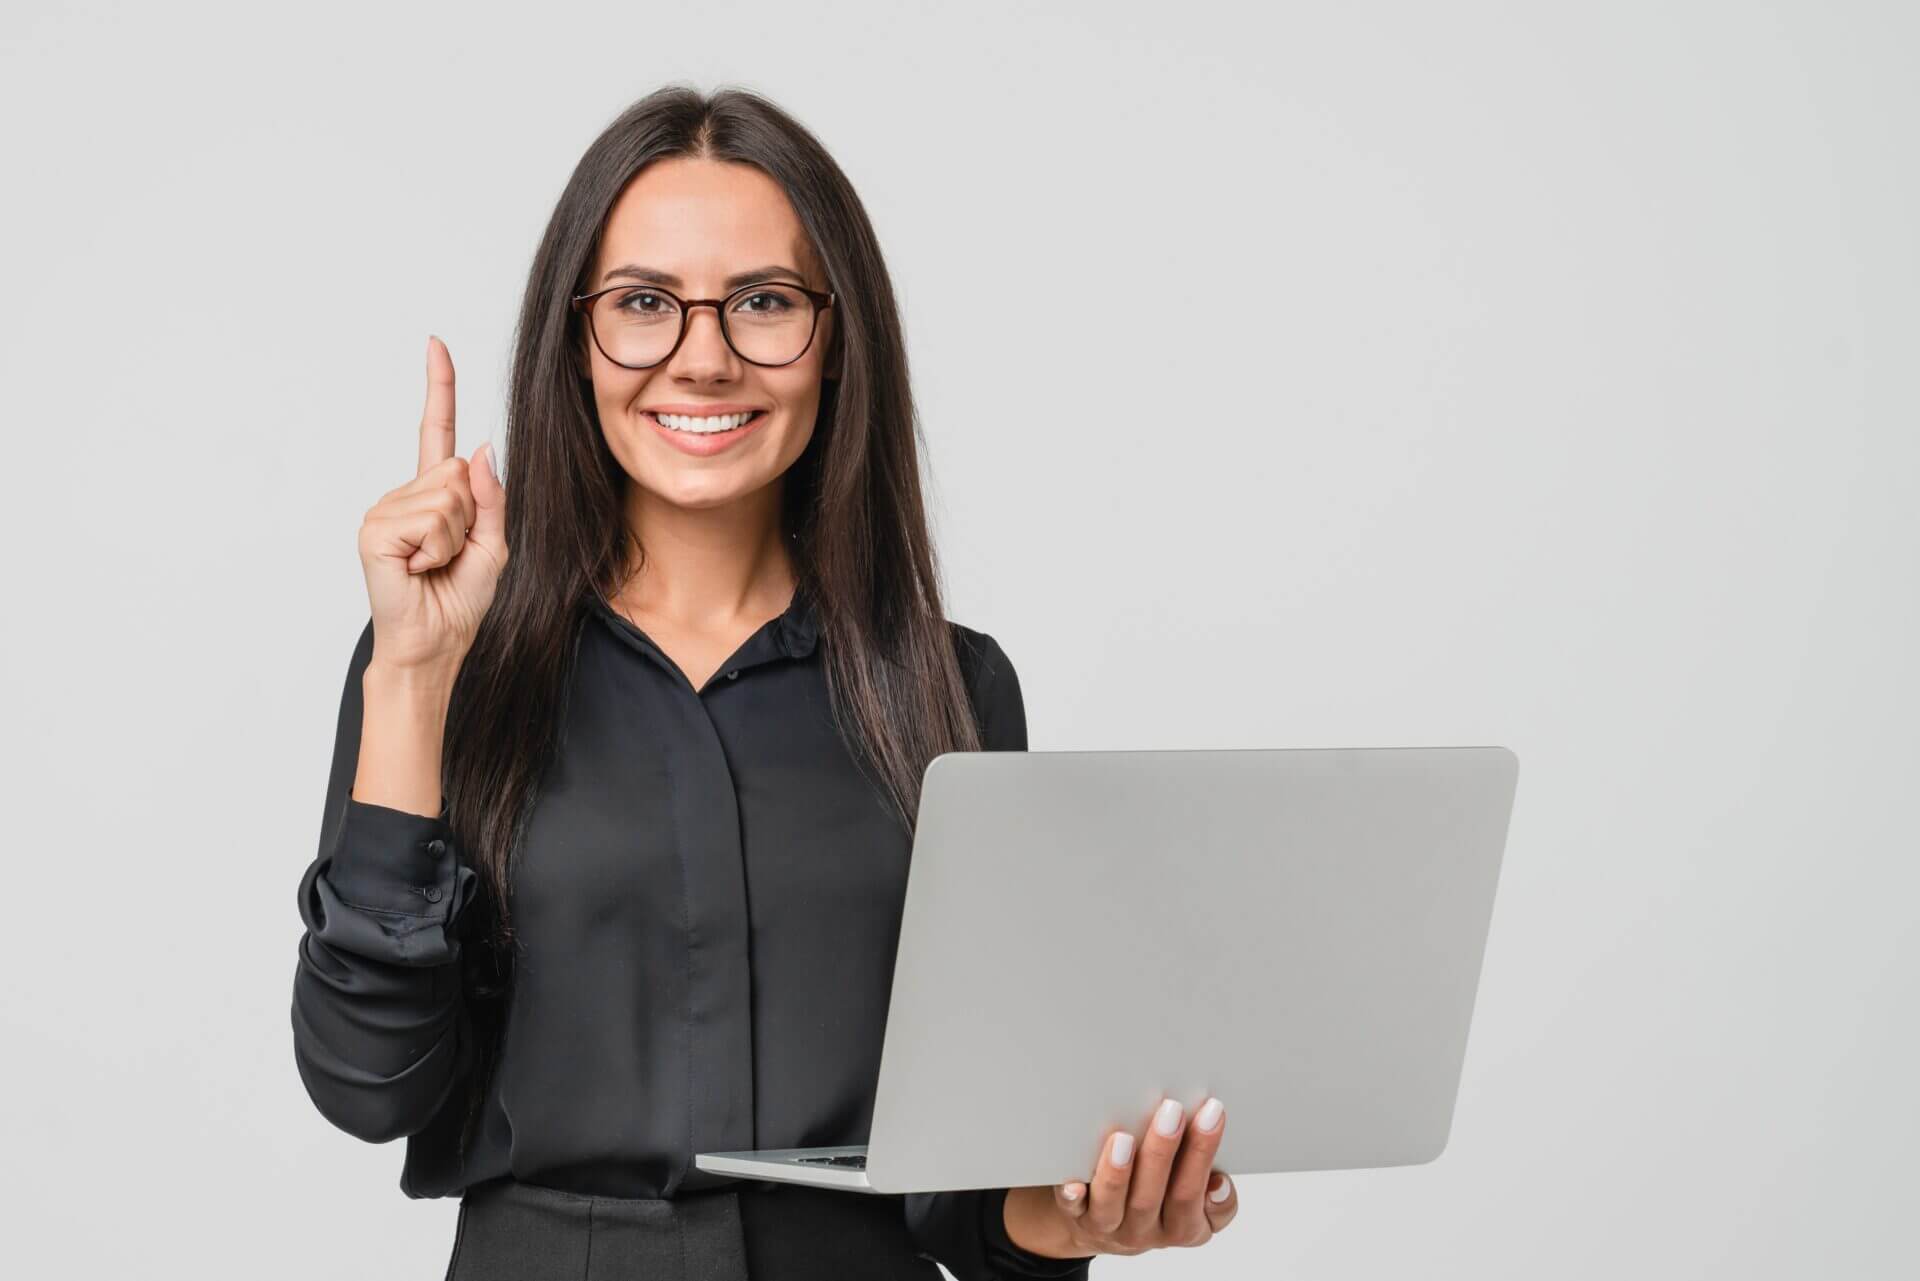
column 436, row 422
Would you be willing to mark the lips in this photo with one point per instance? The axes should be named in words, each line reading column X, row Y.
column 692, row 409
column 705, row 444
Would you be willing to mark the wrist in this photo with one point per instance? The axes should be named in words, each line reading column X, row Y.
column 403, row 724
column 427, row 686
column 1035, row 1224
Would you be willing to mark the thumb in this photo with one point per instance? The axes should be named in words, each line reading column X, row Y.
column 489, row 500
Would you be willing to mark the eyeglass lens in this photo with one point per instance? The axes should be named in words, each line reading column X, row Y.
column 768, row 324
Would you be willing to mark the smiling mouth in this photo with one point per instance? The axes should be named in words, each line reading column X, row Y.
column 705, row 425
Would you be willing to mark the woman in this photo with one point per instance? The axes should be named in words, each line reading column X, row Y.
column 646, row 903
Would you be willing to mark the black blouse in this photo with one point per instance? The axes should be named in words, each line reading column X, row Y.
column 707, row 904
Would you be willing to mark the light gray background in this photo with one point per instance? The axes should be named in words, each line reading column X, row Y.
column 1539, row 375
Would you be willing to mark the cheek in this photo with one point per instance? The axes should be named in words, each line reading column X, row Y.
column 616, row 397
column 799, row 433
column 801, row 410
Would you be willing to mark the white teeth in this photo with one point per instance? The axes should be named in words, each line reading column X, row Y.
column 703, row 425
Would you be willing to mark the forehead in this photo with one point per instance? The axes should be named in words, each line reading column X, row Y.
column 702, row 220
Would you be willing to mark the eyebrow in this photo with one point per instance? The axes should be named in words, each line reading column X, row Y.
column 653, row 276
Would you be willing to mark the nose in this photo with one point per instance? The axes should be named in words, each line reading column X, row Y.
column 704, row 351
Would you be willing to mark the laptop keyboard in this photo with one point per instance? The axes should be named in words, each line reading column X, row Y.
column 858, row 1161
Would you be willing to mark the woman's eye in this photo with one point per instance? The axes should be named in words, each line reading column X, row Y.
column 775, row 303
column 640, row 301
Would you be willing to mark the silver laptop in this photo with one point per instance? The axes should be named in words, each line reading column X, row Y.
column 1298, row 931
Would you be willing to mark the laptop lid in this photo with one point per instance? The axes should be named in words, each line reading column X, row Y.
column 1298, row 931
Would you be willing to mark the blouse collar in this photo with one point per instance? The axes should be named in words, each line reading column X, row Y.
column 796, row 630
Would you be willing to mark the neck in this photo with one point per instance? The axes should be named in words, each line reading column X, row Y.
column 707, row 566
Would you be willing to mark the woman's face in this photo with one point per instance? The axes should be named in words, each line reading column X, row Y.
column 700, row 222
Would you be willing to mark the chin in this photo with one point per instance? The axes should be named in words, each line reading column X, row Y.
column 716, row 487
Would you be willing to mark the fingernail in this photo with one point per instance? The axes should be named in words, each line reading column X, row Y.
column 1222, row 1192
column 488, row 460
column 1209, row 1115
column 1071, row 1192
column 1167, row 1119
column 1122, row 1148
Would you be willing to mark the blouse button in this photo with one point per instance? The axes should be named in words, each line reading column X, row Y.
column 432, row 892
column 734, row 674
column 436, row 847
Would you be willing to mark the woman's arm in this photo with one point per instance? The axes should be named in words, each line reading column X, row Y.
column 966, row 1230
column 380, row 1032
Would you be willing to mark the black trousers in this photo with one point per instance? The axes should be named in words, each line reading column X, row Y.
column 512, row 1231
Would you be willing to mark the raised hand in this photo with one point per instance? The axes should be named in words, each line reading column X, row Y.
column 433, row 549
column 1159, row 1189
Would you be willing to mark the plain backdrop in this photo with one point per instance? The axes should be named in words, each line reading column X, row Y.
column 1291, row 376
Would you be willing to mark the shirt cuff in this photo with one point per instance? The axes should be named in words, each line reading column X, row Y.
column 1012, row 1259
column 389, row 860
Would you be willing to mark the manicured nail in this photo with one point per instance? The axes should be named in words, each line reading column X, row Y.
column 1071, row 1192
column 1167, row 1119
column 1222, row 1192
column 1122, row 1148
column 1209, row 1115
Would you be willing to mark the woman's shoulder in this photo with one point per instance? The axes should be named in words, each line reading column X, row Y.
column 982, row 659
column 974, row 645
column 993, row 686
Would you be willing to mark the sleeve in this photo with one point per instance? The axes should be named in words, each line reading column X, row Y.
column 966, row 1231
column 380, row 1031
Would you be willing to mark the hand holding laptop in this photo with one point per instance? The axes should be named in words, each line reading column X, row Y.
column 1316, row 919
column 1160, row 1191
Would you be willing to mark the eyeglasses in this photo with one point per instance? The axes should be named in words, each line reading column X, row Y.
column 638, row 326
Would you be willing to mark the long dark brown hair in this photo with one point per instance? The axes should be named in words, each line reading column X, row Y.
column 852, row 503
